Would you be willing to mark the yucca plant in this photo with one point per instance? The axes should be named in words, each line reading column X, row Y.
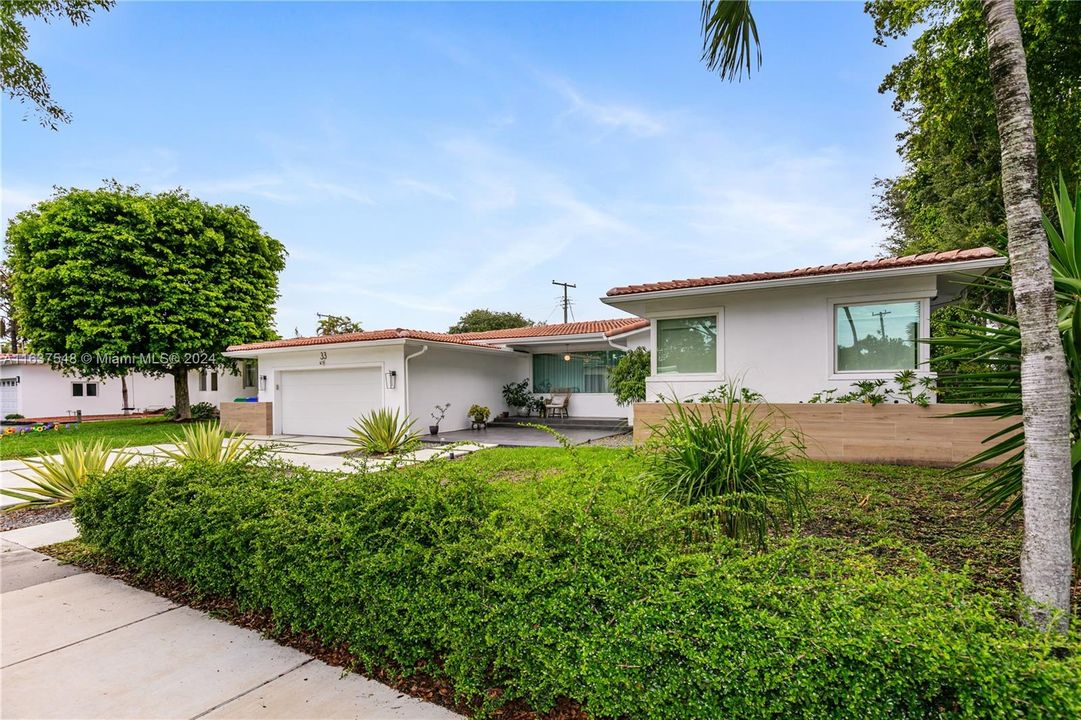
column 993, row 341
column 734, row 464
column 56, row 480
column 382, row 432
column 208, row 443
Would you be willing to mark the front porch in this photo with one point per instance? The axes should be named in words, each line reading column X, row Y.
column 509, row 432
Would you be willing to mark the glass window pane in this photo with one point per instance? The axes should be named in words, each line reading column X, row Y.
column 91, row 389
column 687, row 345
column 879, row 336
column 76, row 389
column 577, row 371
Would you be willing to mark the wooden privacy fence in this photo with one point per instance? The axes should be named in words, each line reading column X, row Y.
column 853, row 432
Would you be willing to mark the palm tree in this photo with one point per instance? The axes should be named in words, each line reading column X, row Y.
column 730, row 40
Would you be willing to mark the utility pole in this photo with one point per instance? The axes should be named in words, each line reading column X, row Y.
column 881, row 315
column 566, row 300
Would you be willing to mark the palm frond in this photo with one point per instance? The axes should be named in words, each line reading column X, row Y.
column 730, row 38
column 989, row 347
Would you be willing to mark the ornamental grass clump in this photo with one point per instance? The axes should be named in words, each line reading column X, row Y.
column 57, row 480
column 734, row 465
column 209, row 444
column 382, row 432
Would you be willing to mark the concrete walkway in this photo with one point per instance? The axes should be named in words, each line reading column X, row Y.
column 79, row 645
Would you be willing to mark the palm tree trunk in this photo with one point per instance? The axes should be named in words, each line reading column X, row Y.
column 1045, row 556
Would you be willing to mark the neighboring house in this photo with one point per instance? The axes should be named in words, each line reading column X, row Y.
column 791, row 334
column 319, row 385
column 31, row 388
column 785, row 334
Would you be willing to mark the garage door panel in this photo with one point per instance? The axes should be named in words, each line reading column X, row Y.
column 326, row 402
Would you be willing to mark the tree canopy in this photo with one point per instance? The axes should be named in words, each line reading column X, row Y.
column 337, row 325
column 114, row 280
column 21, row 78
column 950, row 194
column 482, row 319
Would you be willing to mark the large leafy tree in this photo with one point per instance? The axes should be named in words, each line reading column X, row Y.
column 21, row 78
column 950, row 195
column 1046, row 571
column 482, row 320
column 115, row 280
column 337, row 325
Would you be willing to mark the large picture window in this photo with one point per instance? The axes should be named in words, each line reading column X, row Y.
column 580, row 372
column 877, row 336
column 687, row 345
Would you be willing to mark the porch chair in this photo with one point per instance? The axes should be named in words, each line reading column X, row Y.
column 556, row 406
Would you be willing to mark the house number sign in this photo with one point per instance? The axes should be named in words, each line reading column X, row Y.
column 323, row 358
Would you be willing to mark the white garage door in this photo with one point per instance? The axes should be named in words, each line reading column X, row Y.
column 326, row 402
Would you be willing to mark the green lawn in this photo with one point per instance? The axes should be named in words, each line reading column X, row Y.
column 116, row 433
column 862, row 504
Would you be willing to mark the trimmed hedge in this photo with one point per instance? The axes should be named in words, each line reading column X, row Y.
column 582, row 585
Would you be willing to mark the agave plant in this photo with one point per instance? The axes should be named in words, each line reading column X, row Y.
column 992, row 341
column 382, row 432
column 56, row 480
column 735, row 463
column 208, row 443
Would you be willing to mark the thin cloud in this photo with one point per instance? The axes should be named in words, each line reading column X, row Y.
column 628, row 118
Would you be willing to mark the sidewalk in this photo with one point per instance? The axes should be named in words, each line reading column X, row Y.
column 79, row 645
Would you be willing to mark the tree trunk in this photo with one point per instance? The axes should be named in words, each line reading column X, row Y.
column 180, row 392
column 124, row 394
column 1046, row 564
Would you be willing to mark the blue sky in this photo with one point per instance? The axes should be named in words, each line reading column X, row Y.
column 419, row 160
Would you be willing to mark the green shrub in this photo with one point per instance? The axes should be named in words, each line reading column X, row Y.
column 583, row 584
column 199, row 411
column 627, row 378
column 382, row 432
column 733, row 464
column 517, row 395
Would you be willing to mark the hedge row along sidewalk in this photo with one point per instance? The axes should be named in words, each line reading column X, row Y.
column 572, row 583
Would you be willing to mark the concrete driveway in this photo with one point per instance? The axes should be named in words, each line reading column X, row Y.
column 79, row 645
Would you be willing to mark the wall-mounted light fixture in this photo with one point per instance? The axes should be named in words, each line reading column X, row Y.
column 262, row 382
column 392, row 379
column 567, row 357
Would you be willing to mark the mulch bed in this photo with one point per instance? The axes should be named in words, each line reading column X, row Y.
column 420, row 684
column 16, row 519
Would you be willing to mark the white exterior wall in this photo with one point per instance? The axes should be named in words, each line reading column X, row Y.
column 462, row 377
column 384, row 357
column 779, row 341
column 44, row 392
column 230, row 387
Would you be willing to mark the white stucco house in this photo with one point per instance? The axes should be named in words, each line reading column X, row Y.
column 784, row 334
column 31, row 388
column 319, row 385
column 791, row 334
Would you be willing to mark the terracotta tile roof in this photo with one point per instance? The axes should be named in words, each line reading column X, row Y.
column 936, row 258
column 367, row 336
column 609, row 328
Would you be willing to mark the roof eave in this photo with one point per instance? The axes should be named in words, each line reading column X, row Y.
column 930, row 269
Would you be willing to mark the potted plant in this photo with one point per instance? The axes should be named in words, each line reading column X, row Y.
column 479, row 414
column 438, row 415
column 516, row 395
column 537, row 404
